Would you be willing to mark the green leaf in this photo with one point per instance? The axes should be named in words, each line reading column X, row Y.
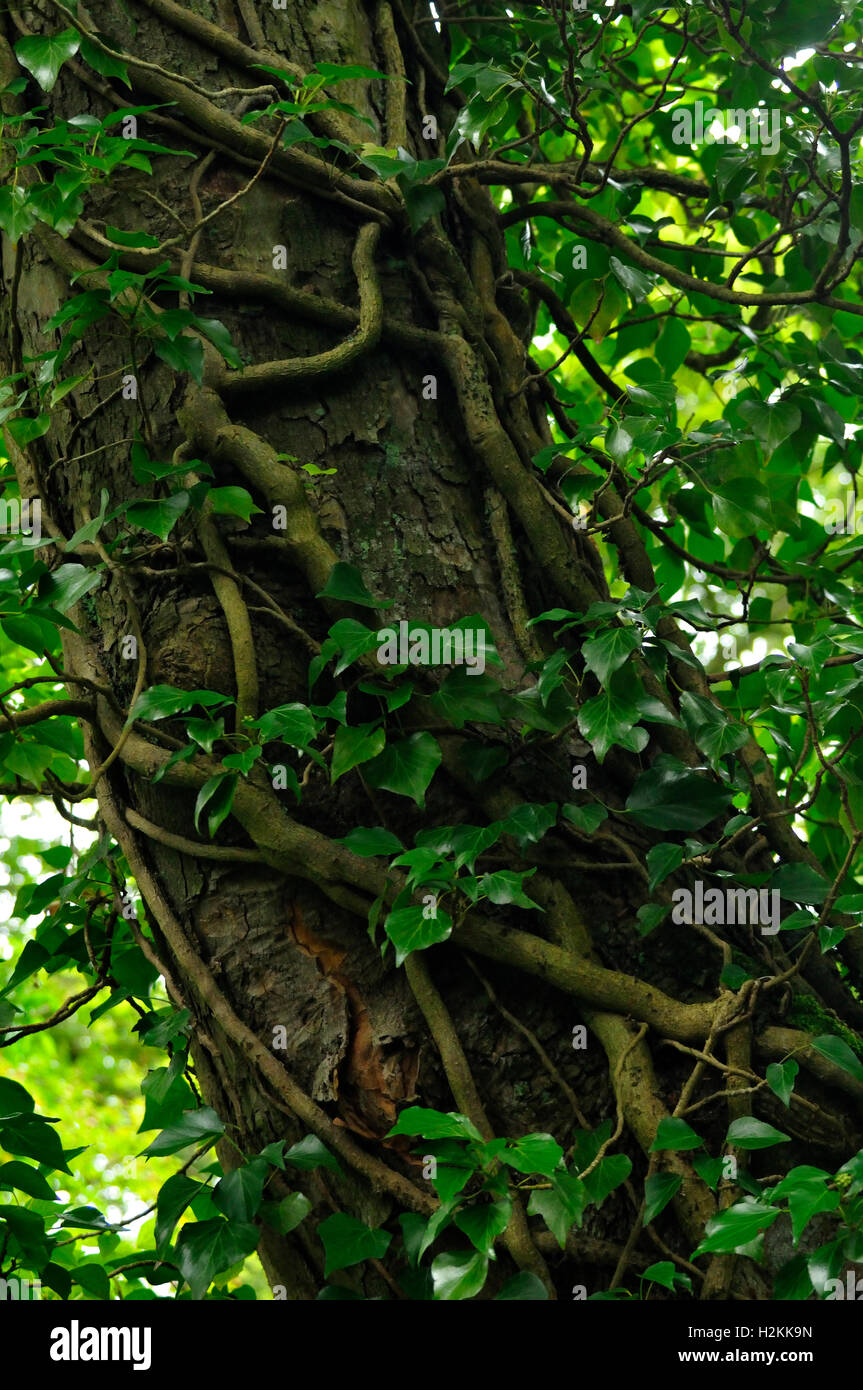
column 585, row 818
column 649, row 916
column 533, row 1153
column 771, row 423
column 606, row 653
column 221, row 340
column 608, row 719
column 749, row 1133
column 781, row 1077
column 293, row 724
column 840, row 1054
column 173, row 1199
column 406, row 767
column 159, row 517
column 217, row 796
column 183, row 354
column 232, row 501
column 239, row 1193
column 459, row 1275
column 676, row 1135
column 16, row 219
column 346, row 583
column 635, row 282
column 108, row 66
column 206, row 1248
column 347, row 1241
column 31, row 1136
column 309, row 1154
column 93, row 1279
column 434, row 1124
column 505, row 886
column 483, row 1222
column 662, row 860
column 355, row 745
column 45, row 56
column 285, row 1216
column 22, row 1178
column 195, row 1127
column 164, row 701
column 24, row 430
column 608, row 1174
column 737, row 1226
column 672, row 346
column 409, row 929
column 422, row 204
column 561, row 1206
column 658, row 1192
column 369, row 841
column 800, row 883
column 530, row 822
column 670, row 797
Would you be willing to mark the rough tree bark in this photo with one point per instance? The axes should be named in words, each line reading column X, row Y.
column 435, row 501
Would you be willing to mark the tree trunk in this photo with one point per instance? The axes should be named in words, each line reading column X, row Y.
column 394, row 361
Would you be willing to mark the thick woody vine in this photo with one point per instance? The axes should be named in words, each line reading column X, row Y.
column 505, row 399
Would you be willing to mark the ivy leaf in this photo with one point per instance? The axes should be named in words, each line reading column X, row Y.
column 737, row 1226
column 606, row 653
column 749, row 1133
column 635, row 282
column 561, row 1206
column 16, row 220
column 409, row 929
column 457, row 1276
column 108, row 66
column 771, row 423
column 346, row 583
column 309, row 1154
column 800, row 883
column 293, row 724
column 354, row 745
column 347, row 1242
column 217, row 795
column 206, row 1248
column 662, row 860
column 608, row 719
column 534, row 1153
column 505, row 886
column 670, row 797
column 173, row 1199
column 232, row 501
column 285, row 1216
column 238, row 1194
column 585, row 818
column 21, row 1177
column 43, row 57
column 368, row 842
column 675, row 1134
column 434, row 1124
column 219, row 336
column 195, row 1127
column 183, row 354
column 406, row 767
column 840, row 1054
column 164, row 701
column 527, row 824
column 608, row 1174
column 781, row 1077
column 483, row 1222
column 159, row 517
column 658, row 1192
